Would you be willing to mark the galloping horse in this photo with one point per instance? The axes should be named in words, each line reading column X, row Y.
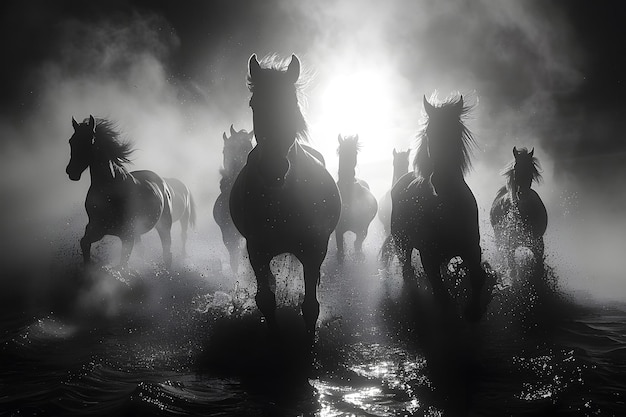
column 358, row 204
column 400, row 167
column 518, row 216
column 434, row 210
column 236, row 149
column 284, row 200
column 183, row 208
column 119, row 203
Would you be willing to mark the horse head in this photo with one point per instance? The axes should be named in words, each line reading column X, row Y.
column 236, row 149
column 524, row 170
column 276, row 114
column 444, row 148
column 400, row 162
column 81, row 147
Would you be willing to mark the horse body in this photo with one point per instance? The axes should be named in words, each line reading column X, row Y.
column 283, row 200
column 119, row 203
column 400, row 168
column 518, row 215
column 236, row 149
column 183, row 208
column 358, row 204
column 434, row 210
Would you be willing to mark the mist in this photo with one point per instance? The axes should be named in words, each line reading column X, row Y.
column 173, row 88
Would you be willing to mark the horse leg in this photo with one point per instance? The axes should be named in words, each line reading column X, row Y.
column 339, row 239
column 432, row 268
column 128, row 241
column 139, row 245
column 538, row 250
column 265, row 298
column 310, row 306
column 476, row 305
column 233, row 245
column 165, row 233
column 405, row 252
column 91, row 235
column 358, row 242
column 184, row 225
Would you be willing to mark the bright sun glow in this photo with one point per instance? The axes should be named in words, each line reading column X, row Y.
column 358, row 103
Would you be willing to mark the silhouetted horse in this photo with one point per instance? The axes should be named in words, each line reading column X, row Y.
column 400, row 168
column 236, row 149
column 119, row 203
column 183, row 208
column 358, row 204
column 284, row 200
column 434, row 210
column 518, row 216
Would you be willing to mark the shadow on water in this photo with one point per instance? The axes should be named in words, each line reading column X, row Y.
column 274, row 367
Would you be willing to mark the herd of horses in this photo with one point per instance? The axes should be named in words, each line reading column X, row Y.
column 276, row 196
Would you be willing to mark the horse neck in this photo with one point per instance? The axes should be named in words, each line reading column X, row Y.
column 398, row 173
column 105, row 171
column 515, row 189
column 346, row 173
column 228, row 179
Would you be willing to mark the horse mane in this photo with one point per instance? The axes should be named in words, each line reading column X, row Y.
column 461, row 149
column 273, row 66
column 349, row 144
column 235, row 140
column 509, row 170
column 110, row 143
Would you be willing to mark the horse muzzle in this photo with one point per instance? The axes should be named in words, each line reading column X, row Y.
column 73, row 174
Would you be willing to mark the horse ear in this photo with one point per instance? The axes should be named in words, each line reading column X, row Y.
column 339, row 138
column 224, row 136
column 293, row 70
column 394, row 152
column 515, row 151
column 74, row 123
column 428, row 107
column 254, row 67
column 459, row 105
column 92, row 122
column 532, row 152
column 232, row 131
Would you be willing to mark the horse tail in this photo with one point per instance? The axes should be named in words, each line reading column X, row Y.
column 192, row 211
column 387, row 251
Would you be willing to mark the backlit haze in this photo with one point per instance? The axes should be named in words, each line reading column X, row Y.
column 172, row 76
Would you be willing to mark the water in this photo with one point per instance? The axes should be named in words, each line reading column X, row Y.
column 145, row 341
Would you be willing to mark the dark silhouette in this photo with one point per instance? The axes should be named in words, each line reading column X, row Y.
column 518, row 216
column 119, row 203
column 183, row 208
column 236, row 149
column 400, row 168
column 284, row 200
column 434, row 210
column 358, row 204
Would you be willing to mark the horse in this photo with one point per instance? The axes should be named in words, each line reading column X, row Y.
column 400, row 167
column 283, row 200
column 358, row 204
column 236, row 149
column 433, row 208
column 119, row 203
column 518, row 216
column 183, row 208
